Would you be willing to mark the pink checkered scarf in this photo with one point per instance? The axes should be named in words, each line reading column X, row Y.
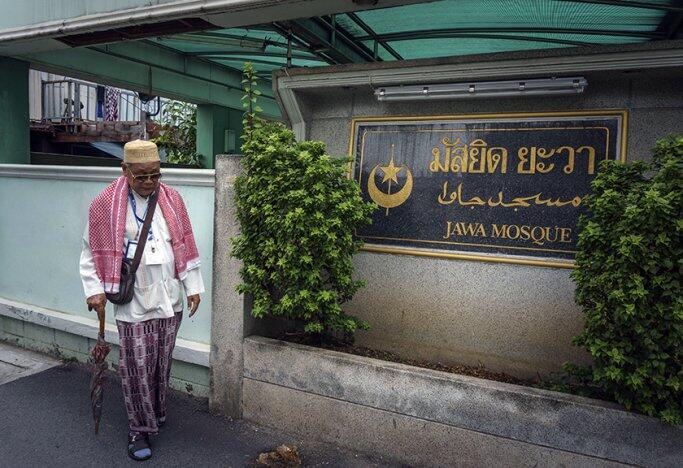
column 107, row 224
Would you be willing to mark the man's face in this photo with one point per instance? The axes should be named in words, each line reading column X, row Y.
column 143, row 177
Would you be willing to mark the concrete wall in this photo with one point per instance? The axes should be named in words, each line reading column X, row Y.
column 513, row 318
column 429, row 418
column 653, row 98
column 187, row 377
column 231, row 319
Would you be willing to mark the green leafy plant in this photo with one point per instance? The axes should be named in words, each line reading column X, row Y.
column 628, row 283
column 179, row 133
column 298, row 213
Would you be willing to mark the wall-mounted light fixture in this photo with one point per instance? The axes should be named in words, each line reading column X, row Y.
column 483, row 89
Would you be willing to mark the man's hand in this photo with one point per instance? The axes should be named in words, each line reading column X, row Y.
column 193, row 303
column 97, row 302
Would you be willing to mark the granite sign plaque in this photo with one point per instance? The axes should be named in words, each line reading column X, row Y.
column 507, row 187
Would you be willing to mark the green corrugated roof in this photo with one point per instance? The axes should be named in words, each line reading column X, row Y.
column 511, row 13
column 435, row 29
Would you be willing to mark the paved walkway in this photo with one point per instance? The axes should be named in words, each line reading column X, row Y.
column 16, row 363
column 45, row 420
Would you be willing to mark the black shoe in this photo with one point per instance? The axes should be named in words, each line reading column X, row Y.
column 161, row 422
column 138, row 447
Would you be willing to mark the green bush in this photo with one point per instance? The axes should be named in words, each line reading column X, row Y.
column 298, row 212
column 629, row 282
column 179, row 133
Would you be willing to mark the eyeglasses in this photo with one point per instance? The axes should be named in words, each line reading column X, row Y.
column 144, row 177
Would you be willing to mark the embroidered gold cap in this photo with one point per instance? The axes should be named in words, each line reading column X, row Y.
column 140, row 151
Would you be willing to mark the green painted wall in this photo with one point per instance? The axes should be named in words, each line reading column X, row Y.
column 42, row 248
column 14, row 111
column 212, row 123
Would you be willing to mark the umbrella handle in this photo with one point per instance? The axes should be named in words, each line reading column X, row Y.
column 100, row 315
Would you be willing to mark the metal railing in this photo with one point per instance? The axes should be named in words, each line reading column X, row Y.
column 69, row 101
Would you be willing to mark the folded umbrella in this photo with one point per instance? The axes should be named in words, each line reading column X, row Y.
column 99, row 376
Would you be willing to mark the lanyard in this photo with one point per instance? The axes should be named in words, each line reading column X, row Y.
column 138, row 220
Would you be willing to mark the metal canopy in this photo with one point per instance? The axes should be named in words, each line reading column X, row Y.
column 434, row 29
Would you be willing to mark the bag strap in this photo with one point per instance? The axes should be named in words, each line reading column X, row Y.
column 152, row 204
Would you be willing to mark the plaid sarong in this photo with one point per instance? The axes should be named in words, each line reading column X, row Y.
column 145, row 358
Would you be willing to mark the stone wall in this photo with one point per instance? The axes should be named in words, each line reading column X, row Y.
column 512, row 318
column 653, row 98
column 421, row 417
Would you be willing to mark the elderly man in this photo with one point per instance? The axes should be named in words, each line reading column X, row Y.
column 148, row 323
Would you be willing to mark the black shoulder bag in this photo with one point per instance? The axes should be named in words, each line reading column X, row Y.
column 126, row 287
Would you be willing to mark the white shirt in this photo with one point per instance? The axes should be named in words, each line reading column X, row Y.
column 157, row 292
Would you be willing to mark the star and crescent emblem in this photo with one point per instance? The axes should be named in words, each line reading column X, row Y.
column 390, row 174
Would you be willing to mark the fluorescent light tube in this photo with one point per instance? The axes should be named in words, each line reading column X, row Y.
column 483, row 89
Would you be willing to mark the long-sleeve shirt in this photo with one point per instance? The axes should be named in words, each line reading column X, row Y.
column 157, row 292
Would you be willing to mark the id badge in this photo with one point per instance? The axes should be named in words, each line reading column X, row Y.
column 131, row 247
column 153, row 254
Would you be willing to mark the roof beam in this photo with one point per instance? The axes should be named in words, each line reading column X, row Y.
column 249, row 53
column 185, row 56
column 145, row 67
column 159, row 56
column 676, row 27
column 365, row 27
column 229, row 40
column 664, row 54
column 456, row 32
column 455, row 35
column 672, row 23
column 331, row 39
column 274, row 63
column 338, row 32
column 285, row 31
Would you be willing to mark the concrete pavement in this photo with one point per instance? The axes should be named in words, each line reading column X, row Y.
column 45, row 420
column 17, row 362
